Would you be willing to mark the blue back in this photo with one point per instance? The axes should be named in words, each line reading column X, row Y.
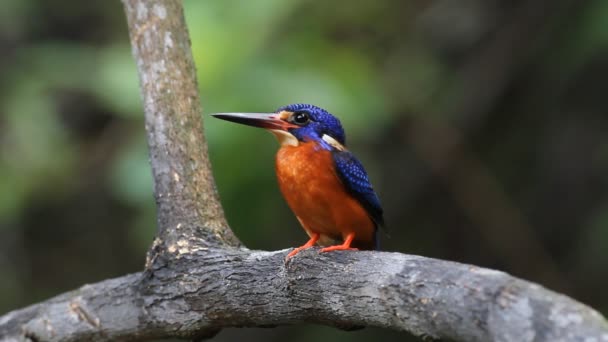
column 356, row 181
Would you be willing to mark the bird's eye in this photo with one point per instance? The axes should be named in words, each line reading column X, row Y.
column 299, row 118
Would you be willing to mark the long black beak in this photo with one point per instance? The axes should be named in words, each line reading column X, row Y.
column 263, row 120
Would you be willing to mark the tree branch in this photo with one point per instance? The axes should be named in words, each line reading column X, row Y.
column 191, row 294
column 189, row 210
column 197, row 281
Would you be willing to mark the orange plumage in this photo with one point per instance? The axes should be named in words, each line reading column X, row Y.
column 323, row 183
column 308, row 180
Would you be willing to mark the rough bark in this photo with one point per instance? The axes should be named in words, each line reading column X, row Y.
column 193, row 294
column 198, row 280
column 188, row 206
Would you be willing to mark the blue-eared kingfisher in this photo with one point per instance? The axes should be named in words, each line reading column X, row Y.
column 323, row 183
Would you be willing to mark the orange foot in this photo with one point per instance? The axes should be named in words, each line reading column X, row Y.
column 343, row 247
column 310, row 243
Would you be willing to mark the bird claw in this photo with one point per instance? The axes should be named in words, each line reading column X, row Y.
column 309, row 244
column 337, row 248
column 293, row 253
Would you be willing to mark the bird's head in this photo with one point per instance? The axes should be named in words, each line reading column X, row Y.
column 294, row 124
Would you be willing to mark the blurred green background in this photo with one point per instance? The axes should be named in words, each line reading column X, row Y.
column 483, row 125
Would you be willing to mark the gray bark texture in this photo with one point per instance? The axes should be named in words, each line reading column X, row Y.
column 193, row 292
column 198, row 278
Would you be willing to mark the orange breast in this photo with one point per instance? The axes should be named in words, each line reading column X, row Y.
column 315, row 194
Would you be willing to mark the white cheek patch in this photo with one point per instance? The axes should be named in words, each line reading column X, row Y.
column 285, row 138
column 333, row 142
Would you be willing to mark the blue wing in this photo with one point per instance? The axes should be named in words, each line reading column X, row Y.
column 353, row 176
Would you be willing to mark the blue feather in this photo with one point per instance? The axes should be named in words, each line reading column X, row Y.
column 355, row 179
column 322, row 122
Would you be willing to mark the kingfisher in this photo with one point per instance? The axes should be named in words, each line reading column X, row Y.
column 324, row 184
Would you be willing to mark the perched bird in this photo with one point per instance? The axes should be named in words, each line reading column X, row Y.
column 323, row 183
